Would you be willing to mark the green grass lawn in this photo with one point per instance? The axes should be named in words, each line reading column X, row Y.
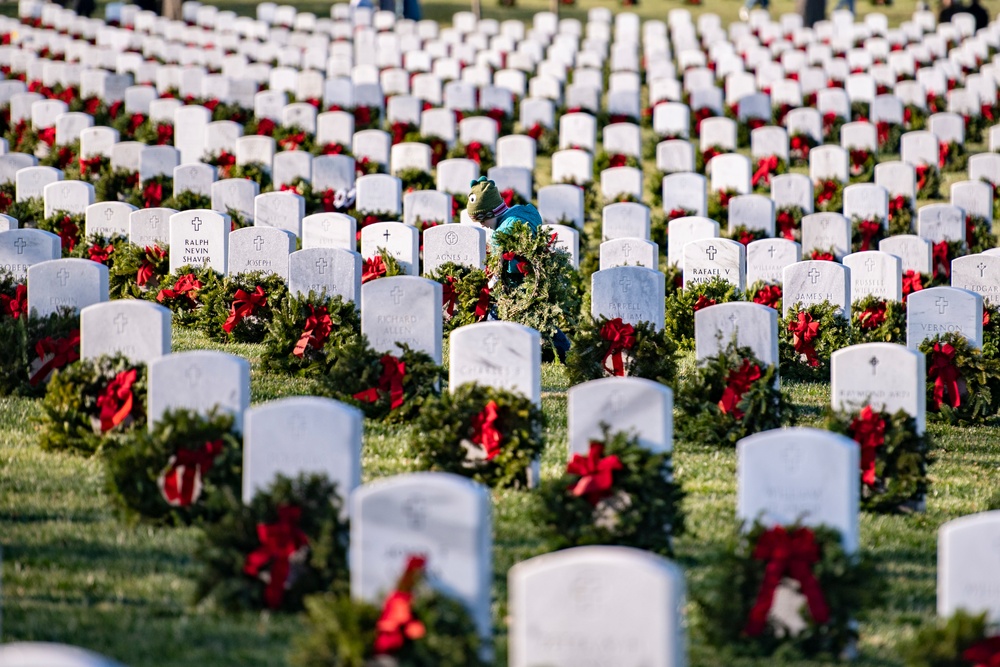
column 74, row 573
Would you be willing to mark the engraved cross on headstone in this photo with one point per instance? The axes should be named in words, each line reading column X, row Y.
column 711, row 251
column 193, row 375
column 20, row 244
column 63, row 276
column 813, row 275
column 321, row 265
column 121, row 322
column 490, row 343
column 108, row 214
column 258, row 243
column 870, row 264
column 625, row 283
column 196, row 223
column 982, row 268
column 627, row 249
column 941, row 303
column 770, row 251
column 154, row 221
column 386, row 236
column 397, row 295
column 874, row 362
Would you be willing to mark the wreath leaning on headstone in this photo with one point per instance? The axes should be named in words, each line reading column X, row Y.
column 807, row 336
column 416, row 626
column 91, row 400
column 617, row 493
column 288, row 542
column 963, row 639
column 239, row 308
column 184, row 293
column 610, row 347
column 465, row 294
column 878, row 320
column 176, row 472
column 489, row 435
column 762, row 566
column 963, row 385
column 894, row 457
column 682, row 304
column 138, row 270
column 729, row 396
column 306, row 332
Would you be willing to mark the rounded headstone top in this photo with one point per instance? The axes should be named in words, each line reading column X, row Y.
column 43, row 654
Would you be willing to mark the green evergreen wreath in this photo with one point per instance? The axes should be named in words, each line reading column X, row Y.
column 537, row 285
column 345, row 632
column 374, row 382
column 67, row 226
column 186, row 306
column 928, row 182
column 829, row 195
column 640, row 507
column 415, row 179
column 478, row 152
column 254, row 171
column 866, row 233
column 34, row 347
column 116, row 185
column 876, row 320
column 897, row 476
column 466, row 294
column 900, row 215
column 805, row 350
column 79, row 404
column 718, row 205
column 305, row 332
column 682, row 304
column 101, row 249
column 457, row 431
column 730, row 396
column 193, row 457
column 991, row 330
column 978, row 234
column 233, row 544
column 957, row 157
column 650, row 354
column 730, row 591
column 950, row 357
column 952, row 642
column 227, row 315
column 788, row 223
column 135, row 263
column 861, row 165
column 765, row 294
column 605, row 160
column 187, row 201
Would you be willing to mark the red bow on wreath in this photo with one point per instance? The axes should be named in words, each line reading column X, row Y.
column 243, row 306
column 596, row 473
column 152, row 194
column 789, row 554
column 945, row 374
column 768, row 295
column 800, row 144
column 373, row 268
column 89, row 164
column 896, row 205
column 677, row 213
column 164, row 134
column 316, row 331
column 804, row 331
column 116, row 402
column 47, row 136
column 397, row 623
column 146, row 270
column 984, row 654
column 737, row 384
column 618, row 160
column 921, row 171
column 620, row 337
column 17, row 305
column 868, row 229
column 180, row 484
column 449, row 297
column 55, row 353
column 279, row 541
column 882, row 132
column 942, row 264
column 485, row 432
column 765, row 166
column 474, row 152
column 912, row 282
column 390, row 382
column 702, row 302
column 483, row 305
column 99, row 254
column 872, row 317
column 786, row 225
column 943, row 150
column 186, row 286
column 868, row 430
column 827, row 190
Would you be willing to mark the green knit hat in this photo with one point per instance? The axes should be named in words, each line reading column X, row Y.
column 485, row 201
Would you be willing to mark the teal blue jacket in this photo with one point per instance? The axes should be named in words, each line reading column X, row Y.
column 526, row 213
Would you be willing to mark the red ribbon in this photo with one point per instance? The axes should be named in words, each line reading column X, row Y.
column 17, row 305
column 152, row 194
column 180, row 483
column 485, row 432
column 912, row 282
column 827, row 190
column 804, row 331
column 618, row 160
column 986, row 110
column 390, row 382
column 872, row 317
column 768, row 295
column 362, row 115
column 621, row 337
column 99, row 254
column 800, row 144
column 373, row 268
column 786, row 225
column 896, row 205
column 921, row 171
column 943, row 150
column 596, row 473
column 399, row 130
column 68, row 232
column 397, row 623
column 47, row 136
column 90, row 164
column 703, row 302
column 316, row 332
column 116, row 402
column 677, row 213
column 449, row 296
column 792, row 554
column 61, row 351
column 135, row 122
column 278, row 543
column 483, row 305
column 536, row 131
column 942, row 264
column 508, row 197
column 868, row 430
column 293, row 141
column 985, row 653
column 186, row 286
column 243, row 305
column 146, row 270
column 765, row 166
column 868, row 229
column 164, row 134
column 265, row 127
column 882, row 132
column 474, row 152
column 737, row 384
column 945, row 374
